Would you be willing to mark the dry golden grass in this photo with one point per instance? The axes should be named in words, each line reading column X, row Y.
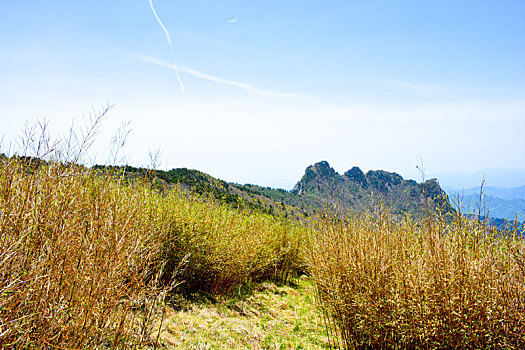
column 225, row 247
column 87, row 258
column 77, row 254
column 390, row 283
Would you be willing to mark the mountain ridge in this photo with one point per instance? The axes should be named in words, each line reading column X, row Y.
column 319, row 188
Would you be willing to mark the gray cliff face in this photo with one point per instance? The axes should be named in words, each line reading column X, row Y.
column 297, row 188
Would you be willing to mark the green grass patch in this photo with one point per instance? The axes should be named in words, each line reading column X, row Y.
column 269, row 317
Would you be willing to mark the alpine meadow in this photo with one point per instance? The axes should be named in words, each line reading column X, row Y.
column 262, row 175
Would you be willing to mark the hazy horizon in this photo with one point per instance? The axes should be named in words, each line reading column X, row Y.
column 256, row 92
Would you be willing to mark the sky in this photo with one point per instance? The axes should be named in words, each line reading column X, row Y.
column 255, row 91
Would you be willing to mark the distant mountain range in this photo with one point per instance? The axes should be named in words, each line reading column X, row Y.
column 504, row 203
column 495, row 177
column 491, row 191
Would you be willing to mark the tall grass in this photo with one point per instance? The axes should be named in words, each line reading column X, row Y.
column 389, row 283
column 87, row 257
column 77, row 254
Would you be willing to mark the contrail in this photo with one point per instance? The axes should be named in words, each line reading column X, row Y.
column 168, row 38
column 245, row 86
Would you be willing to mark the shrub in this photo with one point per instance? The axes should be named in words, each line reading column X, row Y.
column 76, row 250
column 225, row 247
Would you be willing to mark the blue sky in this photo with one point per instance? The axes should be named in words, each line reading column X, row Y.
column 377, row 84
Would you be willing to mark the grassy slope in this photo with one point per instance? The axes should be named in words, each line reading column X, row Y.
column 271, row 317
column 91, row 226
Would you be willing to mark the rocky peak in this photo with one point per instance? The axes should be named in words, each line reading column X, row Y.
column 355, row 190
column 356, row 175
column 321, row 169
column 320, row 172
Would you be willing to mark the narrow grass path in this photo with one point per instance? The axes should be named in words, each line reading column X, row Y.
column 271, row 317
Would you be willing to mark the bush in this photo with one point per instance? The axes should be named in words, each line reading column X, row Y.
column 224, row 247
column 76, row 255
